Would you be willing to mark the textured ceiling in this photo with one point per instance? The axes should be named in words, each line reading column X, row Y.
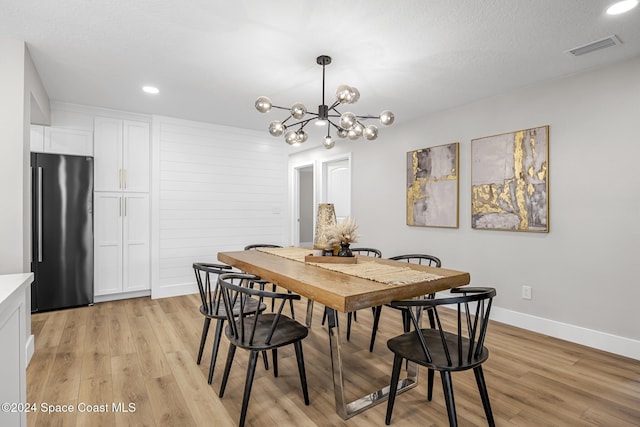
column 212, row 59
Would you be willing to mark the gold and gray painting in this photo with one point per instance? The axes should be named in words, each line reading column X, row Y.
column 509, row 181
column 432, row 186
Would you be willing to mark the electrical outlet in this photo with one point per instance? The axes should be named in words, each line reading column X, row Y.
column 526, row 292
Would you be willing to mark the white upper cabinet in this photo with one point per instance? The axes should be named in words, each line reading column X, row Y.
column 107, row 159
column 122, row 155
column 136, row 157
column 46, row 139
column 68, row 141
column 37, row 138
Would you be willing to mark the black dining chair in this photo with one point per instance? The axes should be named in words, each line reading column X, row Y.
column 260, row 245
column 258, row 331
column 254, row 246
column 447, row 349
column 421, row 259
column 213, row 308
column 376, row 253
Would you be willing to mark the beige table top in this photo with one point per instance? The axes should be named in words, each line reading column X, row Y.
column 340, row 291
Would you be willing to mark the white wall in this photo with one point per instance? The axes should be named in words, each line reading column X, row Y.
column 215, row 189
column 305, row 194
column 12, row 158
column 20, row 85
column 81, row 117
column 36, row 110
column 39, row 108
column 583, row 275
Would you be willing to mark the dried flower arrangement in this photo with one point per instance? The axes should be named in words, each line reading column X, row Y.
column 342, row 232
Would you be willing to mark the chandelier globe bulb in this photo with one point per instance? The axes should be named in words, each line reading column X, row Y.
column 298, row 110
column 354, row 95
column 302, row 136
column 342, row 133
column 291, row 137
column 276, row 128
column 387, row 118
column 263, row 104
column 347, row 120
column 358, row 129
column 342, row 93
column 370, row 132
column 352, row 134
column 328, row 142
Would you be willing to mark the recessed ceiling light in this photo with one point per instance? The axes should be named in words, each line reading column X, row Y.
column 622, row 7
column 151, row 89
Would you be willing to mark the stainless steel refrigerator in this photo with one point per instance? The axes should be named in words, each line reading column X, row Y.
column 62, row 231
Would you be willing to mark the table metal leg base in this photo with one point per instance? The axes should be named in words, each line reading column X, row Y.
column 309, row 313
column 348, row 409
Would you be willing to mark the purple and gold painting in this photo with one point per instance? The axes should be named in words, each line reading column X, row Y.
column 432, row 186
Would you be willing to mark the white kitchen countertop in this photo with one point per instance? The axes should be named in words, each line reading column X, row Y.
column 11, row 284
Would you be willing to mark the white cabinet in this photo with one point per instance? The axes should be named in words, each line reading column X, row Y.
column 122, row 257
column 37, row 138
column 45, row 139
column 122, row 155
column 68, row 141
column 121, row 243
column 13, row 338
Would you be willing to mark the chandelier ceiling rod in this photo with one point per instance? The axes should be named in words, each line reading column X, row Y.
column 324, row 60
column 350, row 125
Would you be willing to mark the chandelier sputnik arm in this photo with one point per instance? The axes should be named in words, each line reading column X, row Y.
column 350, row 125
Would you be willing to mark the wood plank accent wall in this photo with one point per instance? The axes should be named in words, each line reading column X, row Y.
column 219, row 189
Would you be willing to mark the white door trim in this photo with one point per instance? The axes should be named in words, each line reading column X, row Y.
column 323, row 181
column 294, row 208
column 319, row 188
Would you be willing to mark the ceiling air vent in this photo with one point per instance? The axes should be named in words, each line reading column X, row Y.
column 596, row 45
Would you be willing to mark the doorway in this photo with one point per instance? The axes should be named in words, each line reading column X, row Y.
column 318, row 181
column 304, row 207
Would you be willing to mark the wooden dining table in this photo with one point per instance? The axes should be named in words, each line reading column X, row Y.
column 345, row 289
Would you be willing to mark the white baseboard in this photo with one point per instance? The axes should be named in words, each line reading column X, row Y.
column 29, row 348
column 174, row 290
column 576, row 334
column 125, row 295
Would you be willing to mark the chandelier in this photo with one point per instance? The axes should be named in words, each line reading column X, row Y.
column 349, row 125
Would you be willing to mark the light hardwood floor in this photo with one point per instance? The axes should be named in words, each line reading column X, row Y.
column 142, row 352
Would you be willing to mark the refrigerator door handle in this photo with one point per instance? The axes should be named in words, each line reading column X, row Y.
column 39, row 214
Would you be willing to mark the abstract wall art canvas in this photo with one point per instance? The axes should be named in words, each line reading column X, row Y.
column 432, row 186
column 510, row 181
